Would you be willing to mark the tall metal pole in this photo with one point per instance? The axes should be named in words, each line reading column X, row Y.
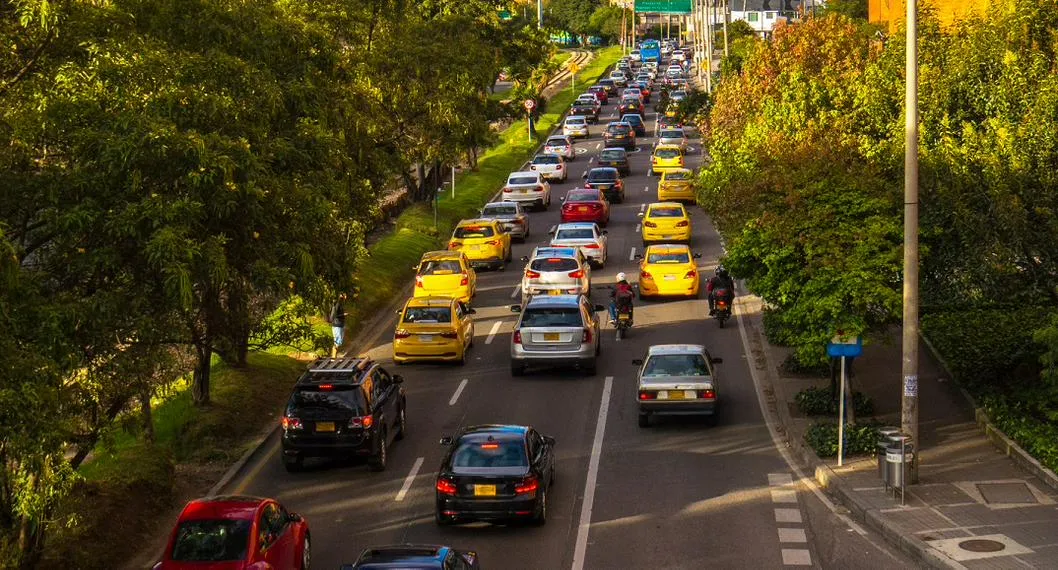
column 841, row 417
column 909, row 402
column 539, row 14
column 726, row 15
column 708, row 50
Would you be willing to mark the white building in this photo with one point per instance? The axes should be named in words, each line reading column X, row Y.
column 762, row 15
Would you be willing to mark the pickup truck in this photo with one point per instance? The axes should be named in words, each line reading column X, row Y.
column 588, row 110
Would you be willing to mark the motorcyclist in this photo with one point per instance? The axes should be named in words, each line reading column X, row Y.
column 721, row 280
column 622, row 294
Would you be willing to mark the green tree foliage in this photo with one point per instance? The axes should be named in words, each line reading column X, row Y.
column 605, row 22
column 856, row 9
column 574, row 16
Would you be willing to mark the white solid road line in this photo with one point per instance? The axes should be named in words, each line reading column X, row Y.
column 517, row 289
column 581, row 550
column 632, row 255
column 492, row 332
column 459, row 391
column 409, row 479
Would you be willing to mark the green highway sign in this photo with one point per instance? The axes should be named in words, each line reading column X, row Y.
column 663, row 6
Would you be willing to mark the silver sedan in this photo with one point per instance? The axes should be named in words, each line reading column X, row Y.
column 678, row 380
column 510, row 215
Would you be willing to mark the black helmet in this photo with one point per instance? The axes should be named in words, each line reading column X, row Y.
column 721, row 271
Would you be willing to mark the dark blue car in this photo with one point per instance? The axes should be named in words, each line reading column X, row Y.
column 418, row 556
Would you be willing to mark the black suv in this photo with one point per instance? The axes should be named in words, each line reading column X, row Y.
column 620, row 134
column 343, row 407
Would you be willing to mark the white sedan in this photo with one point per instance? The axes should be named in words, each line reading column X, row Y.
column 585, row 236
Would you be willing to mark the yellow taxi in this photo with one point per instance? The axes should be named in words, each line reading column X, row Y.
column 666, row 157
column 668, row 269
column 483, row 241
column 666, row 222
column 433, row 328
column 676, row 185
column 445, row 274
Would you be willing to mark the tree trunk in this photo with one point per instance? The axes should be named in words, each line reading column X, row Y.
column 30, row 534
column 146, row 416
column 200, row 378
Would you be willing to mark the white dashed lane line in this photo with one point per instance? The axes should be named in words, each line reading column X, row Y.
column 459, row 390
column 409, row 479
column 492, row 332
column 632, row 255
column 783, row 493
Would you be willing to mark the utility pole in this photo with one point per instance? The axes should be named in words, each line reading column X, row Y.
column 708, row 50
column 539, row 14
column 624, row 29
column 727, row 15
column 909, row 401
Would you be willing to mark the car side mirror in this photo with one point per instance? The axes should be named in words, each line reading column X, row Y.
column 516, row 308
column 446, row 440
column 716, row 360
column 398, row 379
column 604, row 232
column 599, row 308
column 697, row 256
column 397, row 312
column 637, row 361
column 294, row 517
column 471, row 311
column 562, row 199
column 638, row 256
column 584, row 176
column 525, row 258
column 414, row 267
column 549, row 440
column 640, row 214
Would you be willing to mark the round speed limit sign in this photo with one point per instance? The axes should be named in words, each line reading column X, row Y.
column 529, row 104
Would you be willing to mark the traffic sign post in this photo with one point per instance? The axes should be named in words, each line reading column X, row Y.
column 843, row 346
column 529, row 106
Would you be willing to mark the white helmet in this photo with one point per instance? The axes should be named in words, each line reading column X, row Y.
column 621, row 277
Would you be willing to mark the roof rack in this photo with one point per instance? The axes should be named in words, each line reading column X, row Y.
column 343, row 364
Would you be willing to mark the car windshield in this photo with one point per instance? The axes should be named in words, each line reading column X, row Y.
column 606, row 175
column 485, row 453
column 521, row 180
column 617, row 154
column 675, row 365
column 428, row 315
column 677, row 175
column 547, row 159
column 666, row 212
column 619, row 129
column 672, row 134
column 669, row 257
column 500, row 210
column 667, row 153
column 440, row 267
column 474, row 232
column 211, row 541
column 554, row 264
column 582, row 196
column 575, row 233
column 551, row 317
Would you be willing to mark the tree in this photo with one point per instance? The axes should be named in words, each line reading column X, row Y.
column 574, row 16
column 855, row 9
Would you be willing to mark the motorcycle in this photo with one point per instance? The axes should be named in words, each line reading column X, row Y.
column 722, row 306
column 624, row 320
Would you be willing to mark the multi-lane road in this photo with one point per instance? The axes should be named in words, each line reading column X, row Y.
column 680, row 494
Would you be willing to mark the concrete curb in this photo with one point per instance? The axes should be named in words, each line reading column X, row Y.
column 258, row 444
column 1000, row 440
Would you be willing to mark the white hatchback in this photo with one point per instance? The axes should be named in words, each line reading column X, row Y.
column 527, row 187
column 576, row 126
column 556, row 271
column 585, row 236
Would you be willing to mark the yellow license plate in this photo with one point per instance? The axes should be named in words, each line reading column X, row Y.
column 551, row 336
column 325, row 426
column 675, row 394
column 484, row 490
column 554, row 292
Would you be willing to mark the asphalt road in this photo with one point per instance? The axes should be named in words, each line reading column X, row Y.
column 679, row 494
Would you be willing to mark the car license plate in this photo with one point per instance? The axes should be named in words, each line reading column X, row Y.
column 523, row 191
column 675, row 395
column 552, row 336
column 554, row 292
column 426, row 338
column 670, row 278
column 484, row 490
column 582, row 209
column 325, row 426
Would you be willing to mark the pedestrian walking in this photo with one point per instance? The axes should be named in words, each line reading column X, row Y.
column 337, row 320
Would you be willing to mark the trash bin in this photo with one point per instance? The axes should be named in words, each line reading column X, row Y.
column 898, row 460
column 885, row 439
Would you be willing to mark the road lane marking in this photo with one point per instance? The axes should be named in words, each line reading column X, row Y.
column 642, row 207
column 252, row 475
column 796, row 557
column 492, row 332
column 783, row 496
column 788, row 515
column 581, row 549
column 792, row 535
column 598, row 146
column 514, row 293
column 409, row 479
column 459, row 391
column 637, row 228
column 779, row 479
column 646, row 188
column 632, row 255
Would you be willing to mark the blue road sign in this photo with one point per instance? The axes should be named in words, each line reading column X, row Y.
column 845, row 345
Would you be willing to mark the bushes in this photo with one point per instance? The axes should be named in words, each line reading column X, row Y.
column 822, row 437
column 821, row 402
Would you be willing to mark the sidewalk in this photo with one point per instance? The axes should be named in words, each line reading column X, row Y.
column 973, row 507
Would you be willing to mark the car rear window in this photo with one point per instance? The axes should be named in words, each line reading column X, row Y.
column 557, row 142
column 553, row 264
column 575, row 233
column 211, row 540
column 678, row 175
column 548, row 159
column 669, row 257
column 603, row 175
column 619, row 129
column 582, row 196
column 343, row 398
column 613, row 155
column 477, row 453
column 428, row 315
column 574, row 120
column 667, row 153
column 511, row 210
column 440, row 267
column 633, row 119
column 521, row 180
column 666, row 212
column 675, row 365
column 551, row 317
column 474, row 231
column 672, row 134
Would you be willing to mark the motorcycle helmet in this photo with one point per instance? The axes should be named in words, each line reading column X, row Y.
column 721, row 271
column 621, row 277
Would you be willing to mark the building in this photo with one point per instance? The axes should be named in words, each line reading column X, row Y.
column 892, row 12
column 763, row 15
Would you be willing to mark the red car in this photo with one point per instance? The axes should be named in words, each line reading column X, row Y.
column 586, row 205
column 601, row 93
column 237, row 533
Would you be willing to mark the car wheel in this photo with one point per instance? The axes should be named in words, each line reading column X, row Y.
column 462, row 357
column 509, row 256
column 540, row 512
column 378, row 462
column 402, row 424
column 517, row 369
column 306, row 553
column 644, row 420
column 294, row 465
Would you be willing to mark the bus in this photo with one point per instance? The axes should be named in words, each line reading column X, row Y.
column 650, row 50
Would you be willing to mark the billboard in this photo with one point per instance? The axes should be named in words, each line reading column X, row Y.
column 663, row 6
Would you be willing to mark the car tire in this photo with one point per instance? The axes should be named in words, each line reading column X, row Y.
column 510, row 255
column 540, row 510
column 517, row 369
column 644, row 420
column 402, row 423
column 462, row 360
column 306, row 554
column 294, row 465
column 381, row 457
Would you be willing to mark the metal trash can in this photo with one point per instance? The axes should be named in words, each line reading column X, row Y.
column 885, row 439
column 898, row 460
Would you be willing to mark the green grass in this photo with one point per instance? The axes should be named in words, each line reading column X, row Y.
column 388, row 265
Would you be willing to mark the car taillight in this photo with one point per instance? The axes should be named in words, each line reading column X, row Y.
column 418, row 281
column 645, row 275
column 559, row 167
column 450, row 334
column 532, row 274
column 683, row 224
column 492, row 242
column 592, row 246
column 578, row 274
column 291, row 423
column 362, row 422
column 586, row 337
column 588, row 185
column 446, row 486
column 401, row 333
column 647, row 395
column 517, row 337
column 507, row 190
column 596, row 206
column 454, row 245
column 528, row 485
column 649, row 225
column 653, row 160
column 691, row 274
column 539, row 188
column 707, row 394
column 465, row 280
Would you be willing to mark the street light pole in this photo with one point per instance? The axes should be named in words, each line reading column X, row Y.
column 909, row 369
column 539, row 14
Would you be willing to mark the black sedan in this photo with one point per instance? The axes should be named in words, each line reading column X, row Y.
column 607, row 179
column 616, row 158
column 495, row 473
